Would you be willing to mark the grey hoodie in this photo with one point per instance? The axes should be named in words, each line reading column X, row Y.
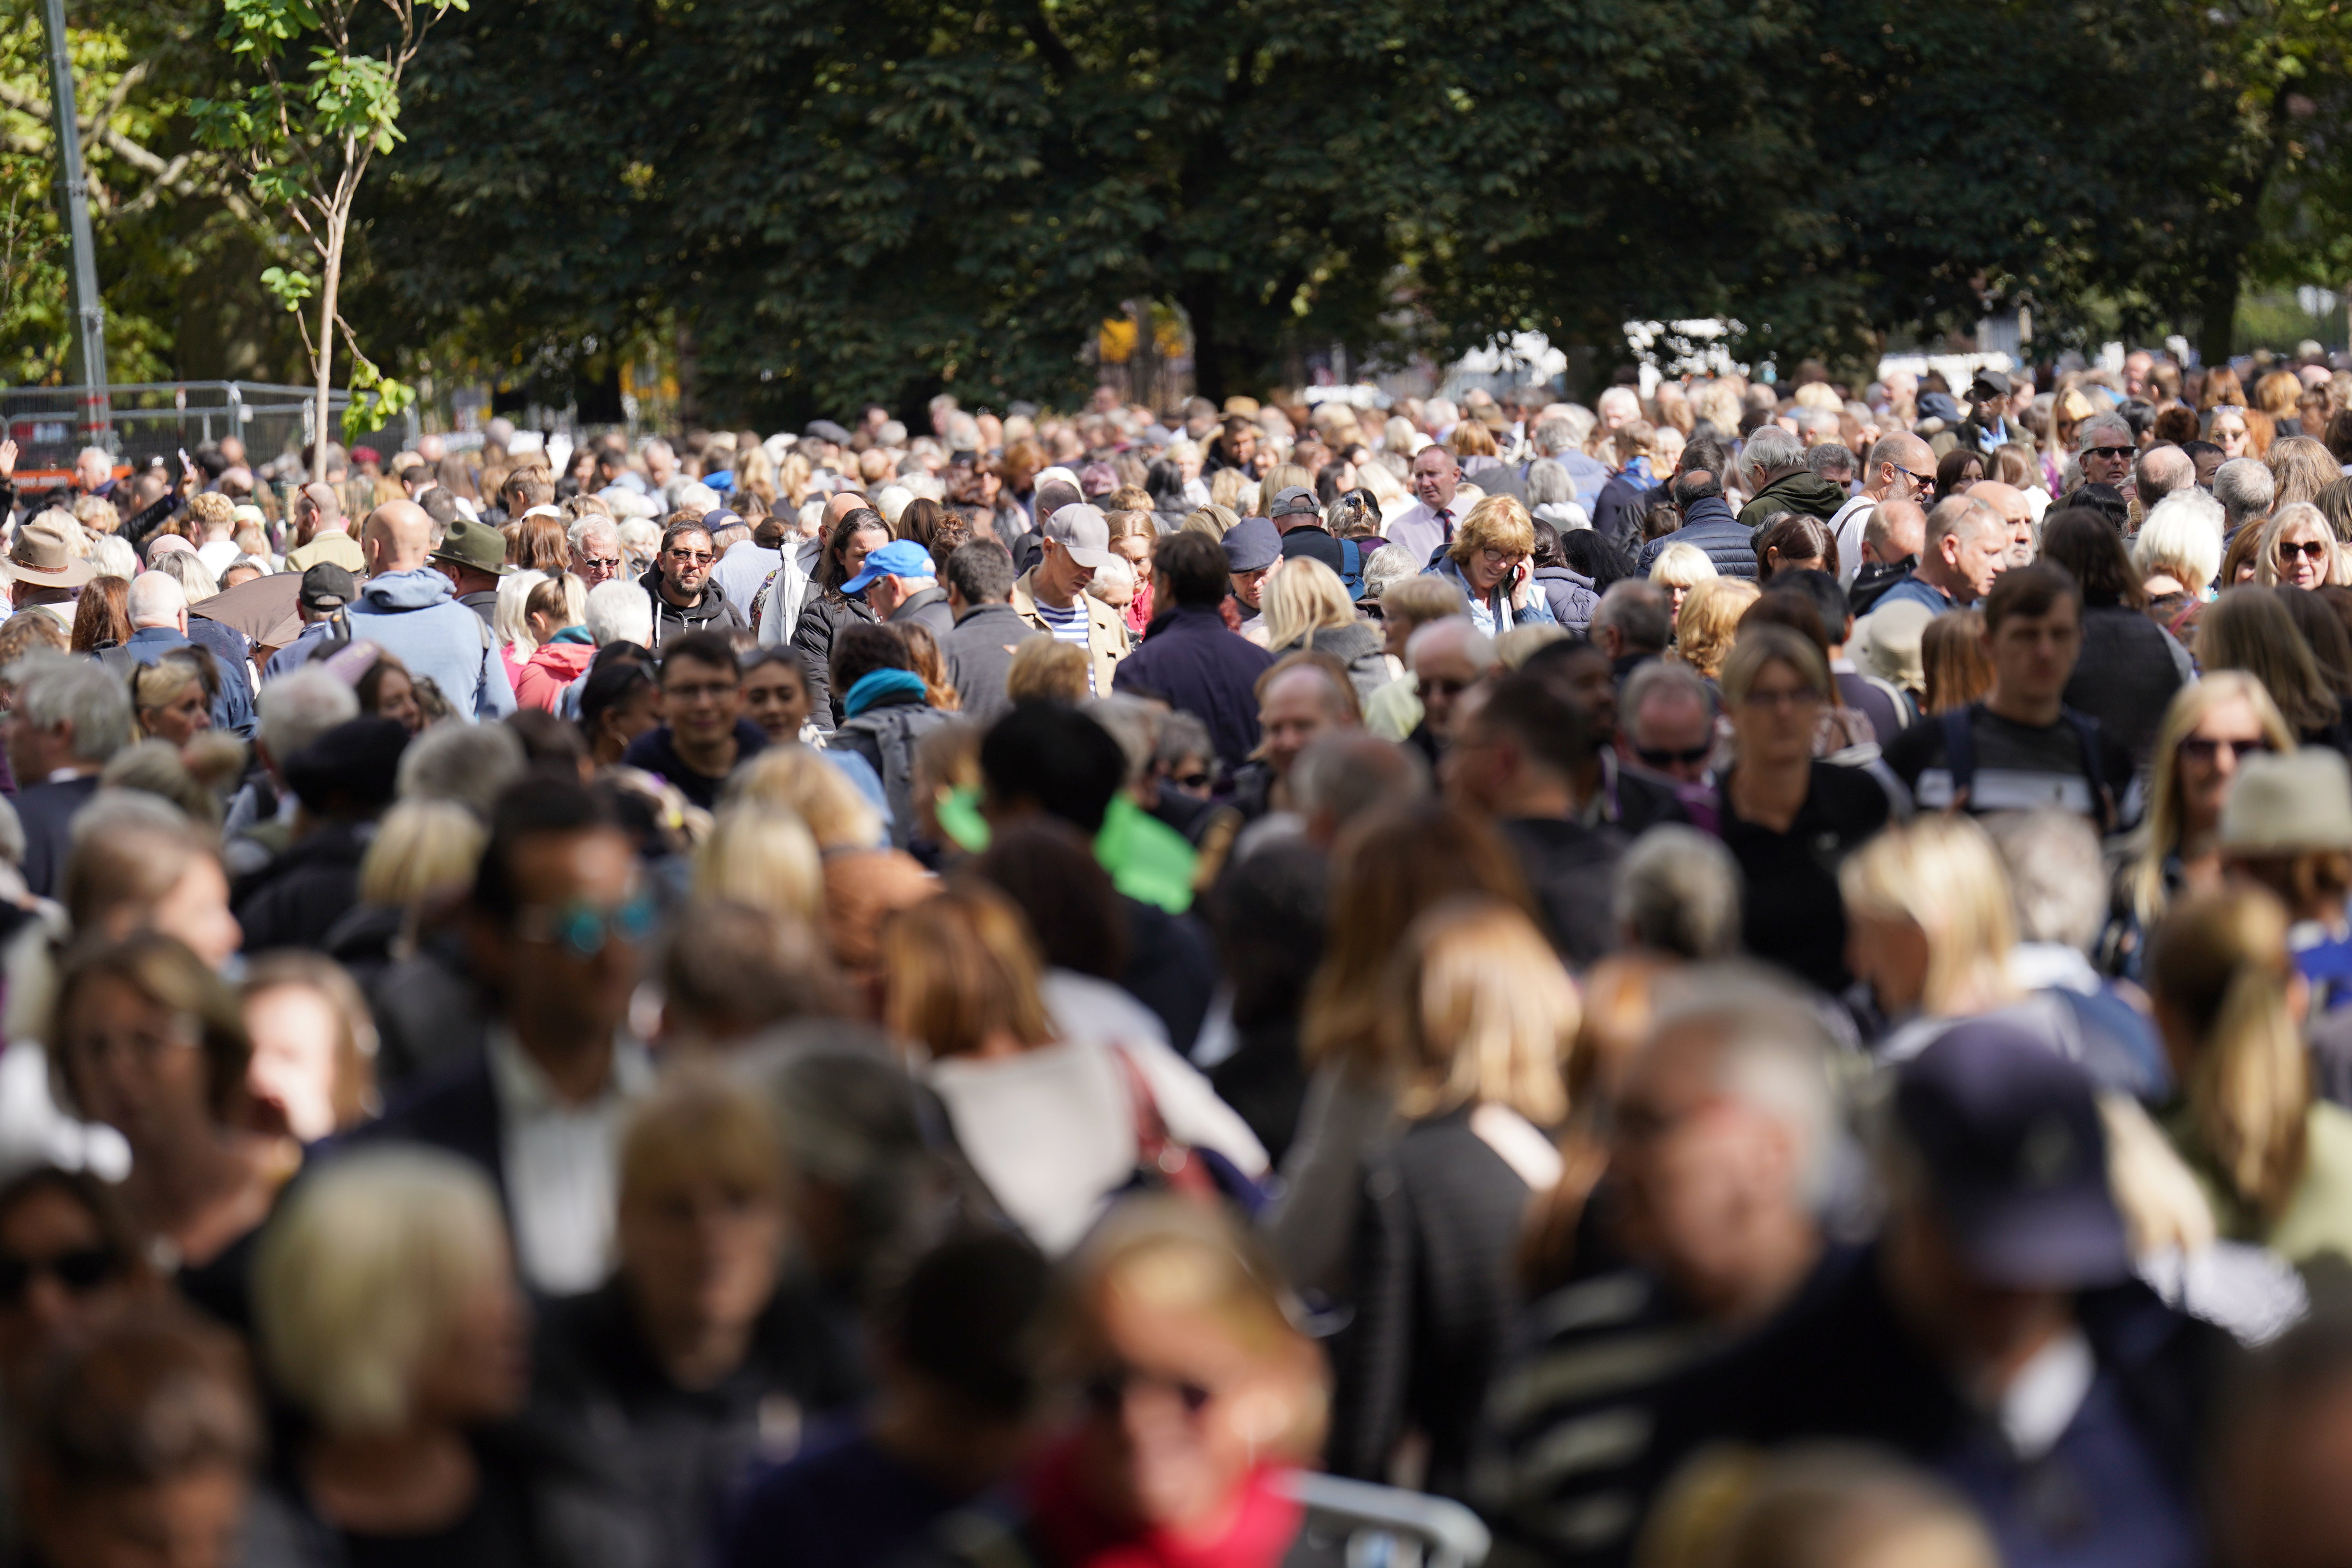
column 416, row 619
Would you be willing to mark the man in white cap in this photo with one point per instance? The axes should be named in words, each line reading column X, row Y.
column 1052, row 595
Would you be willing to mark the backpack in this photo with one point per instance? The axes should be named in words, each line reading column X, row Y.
column 892, row 733
column 1351, row 568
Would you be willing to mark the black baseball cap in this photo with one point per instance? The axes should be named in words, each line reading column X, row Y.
column 2007, row 1134
column 326, row 586
column 1294, row 500
column 1989, row 384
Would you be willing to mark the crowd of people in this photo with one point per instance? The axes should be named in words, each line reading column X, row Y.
column 1755, row 973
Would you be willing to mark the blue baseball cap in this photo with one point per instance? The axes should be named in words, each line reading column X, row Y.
column 900, row 558
column 2007, row 1134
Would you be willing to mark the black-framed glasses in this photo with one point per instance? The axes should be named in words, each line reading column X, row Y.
column 1668, row 757
column 80, row 1271
column 2205, row 750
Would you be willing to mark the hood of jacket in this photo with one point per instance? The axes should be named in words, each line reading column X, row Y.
column 1804, row 491
column 390, row 592
column 564, row 659
column 708, row 606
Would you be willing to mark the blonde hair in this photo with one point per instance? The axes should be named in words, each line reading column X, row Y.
column 1481, row 1012
column 698, row 1124
column 763, row 858
column 509, row 623
column 422, row 848
column 799, row 780
column 1682, row 566
column 1498, row 522
column 1942, row 874
column 1213, row 520
column 2220, row 962
column 1708, row 622
column 1303, row 598
column 2295, row 514
column 362, row 1272
column 561, row 594
column 1044, row 669
column 2159, row 835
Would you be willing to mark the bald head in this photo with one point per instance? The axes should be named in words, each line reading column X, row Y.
column 1894, row 460
column 1897, row 529
column 840, row 505
column 398, row 537
column 2161, row 472
column 2016, row 515
column 325, row 509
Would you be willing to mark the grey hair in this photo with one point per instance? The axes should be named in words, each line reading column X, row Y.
column 1770, row 450
column 1182, row 735
column 297, row 708
column 1346, row 774
column 1774, row 1055
column 2245, row 487
column 2057, row 878
column 1656, row 676
column 1549, row 484
column 1678, row 891
column 1636, row 607
column 1388, row 565
column 52, row 690
column 1555, row 436
column 1832, row 460
column 1133, row 724
column 595, row 524
column 619, row 611
column 2116, row 429
column 467, row 763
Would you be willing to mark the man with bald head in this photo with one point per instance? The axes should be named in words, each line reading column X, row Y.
column 1900, row 468
column 1966, row 548
column 2161, row 469
column 410, row 610
column 2015, row 511
column 322, row 531
column 1894, row 534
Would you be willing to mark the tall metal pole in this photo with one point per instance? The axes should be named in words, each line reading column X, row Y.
column 73, row 189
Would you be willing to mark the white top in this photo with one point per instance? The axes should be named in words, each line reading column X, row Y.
column 1421, row 530
column 217, row 555
column 558, row 1160
column 1052, row 1131
column 1847, row 527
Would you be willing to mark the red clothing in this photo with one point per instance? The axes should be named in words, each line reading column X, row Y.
column 552, row 666
column 1078, row 1534
column 1139, row 611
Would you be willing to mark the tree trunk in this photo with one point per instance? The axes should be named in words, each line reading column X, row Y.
column 2217, row 309
column 1212, row 355
column 329, row 286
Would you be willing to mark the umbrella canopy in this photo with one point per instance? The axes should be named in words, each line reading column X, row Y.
column 263, row 609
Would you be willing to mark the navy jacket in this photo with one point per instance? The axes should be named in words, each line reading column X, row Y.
column 1189, row 658
column 1708, row 523
column 233, row 709
column 47, row 812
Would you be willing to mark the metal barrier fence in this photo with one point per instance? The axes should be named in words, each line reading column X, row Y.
column 160, row 419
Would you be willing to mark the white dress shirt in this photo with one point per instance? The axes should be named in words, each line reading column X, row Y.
column 1420, row 530
column 558, row 1160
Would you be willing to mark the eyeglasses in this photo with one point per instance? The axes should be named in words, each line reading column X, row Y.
column 2120, row 454
column 1106, row 1391
column 1191, row 781
column 1925, row 482
column 1664, row 757
column 1493, row 557
column 2314, row 548
column 2205, row 750
column 80, row 1271
column 692, row 557
column 584, row 931
column 599, row 564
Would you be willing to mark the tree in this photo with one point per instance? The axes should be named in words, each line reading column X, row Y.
column 306, row 132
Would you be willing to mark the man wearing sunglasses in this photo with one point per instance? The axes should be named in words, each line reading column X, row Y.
column 2105, row 449
column 1900, row 468
column 1669, row 730
column 558, row 915
column 685, row 599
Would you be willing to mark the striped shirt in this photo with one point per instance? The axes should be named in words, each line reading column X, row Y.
column 1070, row 626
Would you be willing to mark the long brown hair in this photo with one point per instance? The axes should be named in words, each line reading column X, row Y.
column 1388, row 871
column 101, row 616
column 961, row 966
column 1952, row 655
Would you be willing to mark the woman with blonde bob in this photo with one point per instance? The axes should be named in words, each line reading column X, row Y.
column 2177, row 555
column 388, row 1313
column 2274, row 1159
column 2298, row 549
column 1489, row 559
column 1709, row 621
column 1678, row 569
column 1307, row 611
column 1051, row 1119
column 1481, row 1016
column 1930, row 923
column 2207, row 732
column 761, row 858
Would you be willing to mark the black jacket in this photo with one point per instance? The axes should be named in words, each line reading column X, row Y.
column 1436, row 1234
column 1572, row 871
column 710, row 613
column 825, row 611
column 47, row 812
column 2126, row 676
column 297, row 899
column 675, row 1452
column 978, row 651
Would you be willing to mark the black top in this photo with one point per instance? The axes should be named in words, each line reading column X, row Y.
column 2072, row 764
column 657, row 752
column 1790, row 912
column 1572, row 871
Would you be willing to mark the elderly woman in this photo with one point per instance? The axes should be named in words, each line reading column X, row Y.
column 1489, row 560
column 1678, row 569
column 2298, row 549
column 389, row 1320
column 173, row 697
column 697, row 1355
column 2177, row 555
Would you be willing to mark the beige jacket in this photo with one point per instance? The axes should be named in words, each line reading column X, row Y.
column 1106, row 630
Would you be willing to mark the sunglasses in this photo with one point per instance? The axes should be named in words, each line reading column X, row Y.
column 80, row 1271
column 2119, row 453
column 584, row 930
column 2205, row 750
column 1663, row 757
column 1191, row 781
column 1106, row 1391
column 2314, row 548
